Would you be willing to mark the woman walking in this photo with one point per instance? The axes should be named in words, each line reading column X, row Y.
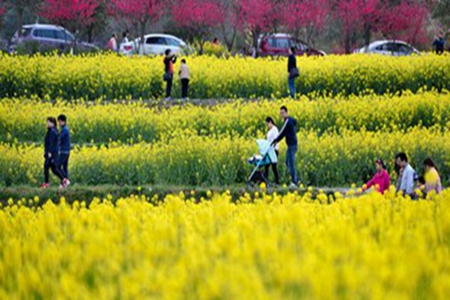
column 381, row 180
column 271, row 136
column 51, row 153
column 169, row 60
column 432, row 178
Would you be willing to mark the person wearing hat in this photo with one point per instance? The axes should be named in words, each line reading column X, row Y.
column 381, row 180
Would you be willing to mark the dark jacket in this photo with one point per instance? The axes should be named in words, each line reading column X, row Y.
column 292, row 63
column 168, row 64
column 51, row 144
column 64, row 140
column 288, row 132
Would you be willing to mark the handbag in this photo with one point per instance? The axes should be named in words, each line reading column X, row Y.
column 295, row 72
column 167, row 76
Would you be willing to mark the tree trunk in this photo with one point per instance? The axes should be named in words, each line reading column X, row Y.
column 142, row 42
column 19, row 12
column 367, row 37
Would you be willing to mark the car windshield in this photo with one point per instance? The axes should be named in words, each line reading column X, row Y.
column 64, row 35
column 172, row 42
column 26, row 32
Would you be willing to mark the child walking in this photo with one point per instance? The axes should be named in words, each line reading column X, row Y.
column 184, row 78
column 51, row 152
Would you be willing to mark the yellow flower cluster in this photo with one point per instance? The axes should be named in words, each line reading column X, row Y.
column 131, row 122
column 114, row 77
column 186, row 159
column 277, row 247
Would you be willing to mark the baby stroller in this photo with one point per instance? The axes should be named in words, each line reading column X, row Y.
column 266, row 157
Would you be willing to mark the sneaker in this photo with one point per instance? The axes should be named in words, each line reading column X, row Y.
column 293, row 186
column 45, row 185
column 66, row 182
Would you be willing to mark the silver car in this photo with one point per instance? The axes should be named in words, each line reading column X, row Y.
column 155, row 44
column 49, row 37
column 389, row 47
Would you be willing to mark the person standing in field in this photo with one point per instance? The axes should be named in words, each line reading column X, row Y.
column 288, row 132
column 293, row 71
column 271, row 136
column 439, row 43
column 169, row 60
column 408, row 174
column 184, row 78
column 112, row 43
column 381, row 180
column 432, row 178
column 51, row 152
column 64, row 150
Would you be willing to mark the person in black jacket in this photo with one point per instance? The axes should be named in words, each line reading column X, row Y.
column 292, row 71
column 64, row 150
column 288, row 132
column 51, row 152
column 169, row 60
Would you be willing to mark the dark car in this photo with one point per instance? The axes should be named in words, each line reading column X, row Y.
column 40, row 37
column 279, row 44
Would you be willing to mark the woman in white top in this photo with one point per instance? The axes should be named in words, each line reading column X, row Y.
column 272, row 135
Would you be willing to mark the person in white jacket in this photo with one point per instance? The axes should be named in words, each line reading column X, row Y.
column 272, row 134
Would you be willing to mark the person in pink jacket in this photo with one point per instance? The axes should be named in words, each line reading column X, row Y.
column 381, row 180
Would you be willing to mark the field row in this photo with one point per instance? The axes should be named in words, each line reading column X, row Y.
column 23, row 120
column 328, row 160
column 115, row 77
column 215, row 249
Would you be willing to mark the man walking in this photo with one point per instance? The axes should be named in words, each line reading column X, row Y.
column 64, row 150
column 288, row 132
column 407, row 179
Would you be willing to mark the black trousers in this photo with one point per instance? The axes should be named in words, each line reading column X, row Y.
column 184, row 88
column 63, row 164
column 169, row 83
column 50, row 164
column 274, row 169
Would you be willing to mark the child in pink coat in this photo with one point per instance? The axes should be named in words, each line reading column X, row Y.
column 381, row 180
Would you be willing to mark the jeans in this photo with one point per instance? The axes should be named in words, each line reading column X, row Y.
column 290, row 162
column 169, row 83
column 184, row 88
column 274, row 169
column 291, row 84
column 50, row 164
column 63, row 164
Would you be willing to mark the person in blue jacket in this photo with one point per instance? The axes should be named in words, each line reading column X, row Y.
column 64, row 150
column 288, row 132
column 51, row 152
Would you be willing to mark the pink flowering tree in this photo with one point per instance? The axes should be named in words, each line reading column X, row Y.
column 405, row 20
column 139, row 13
column 197, row 17
column 306, row 18
column 356, row 17
column 72, row 14
column 255, row 17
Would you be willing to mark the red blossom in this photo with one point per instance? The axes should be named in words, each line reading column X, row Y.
column 64, row 12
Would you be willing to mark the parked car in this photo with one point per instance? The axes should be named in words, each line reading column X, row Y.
column 389, row 47
column 279, row 44
column 48, row 37
column 155, row 44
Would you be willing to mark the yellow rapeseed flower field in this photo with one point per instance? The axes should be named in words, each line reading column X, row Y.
column 131, row 122
column 262, row 247
column 115, row 77
column 188, row 159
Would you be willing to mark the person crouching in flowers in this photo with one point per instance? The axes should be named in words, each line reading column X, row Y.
column 432, row 178
column 381, row 180
column 51, row 152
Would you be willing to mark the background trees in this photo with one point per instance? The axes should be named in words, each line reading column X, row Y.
column 340, row 25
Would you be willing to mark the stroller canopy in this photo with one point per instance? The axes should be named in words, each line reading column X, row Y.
column 264, row 148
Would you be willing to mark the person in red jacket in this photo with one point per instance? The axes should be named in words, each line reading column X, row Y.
column 381, row 180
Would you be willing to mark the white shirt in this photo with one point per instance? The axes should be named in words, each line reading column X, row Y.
column 407, row 183
column 184, row 71
column 272, row 135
